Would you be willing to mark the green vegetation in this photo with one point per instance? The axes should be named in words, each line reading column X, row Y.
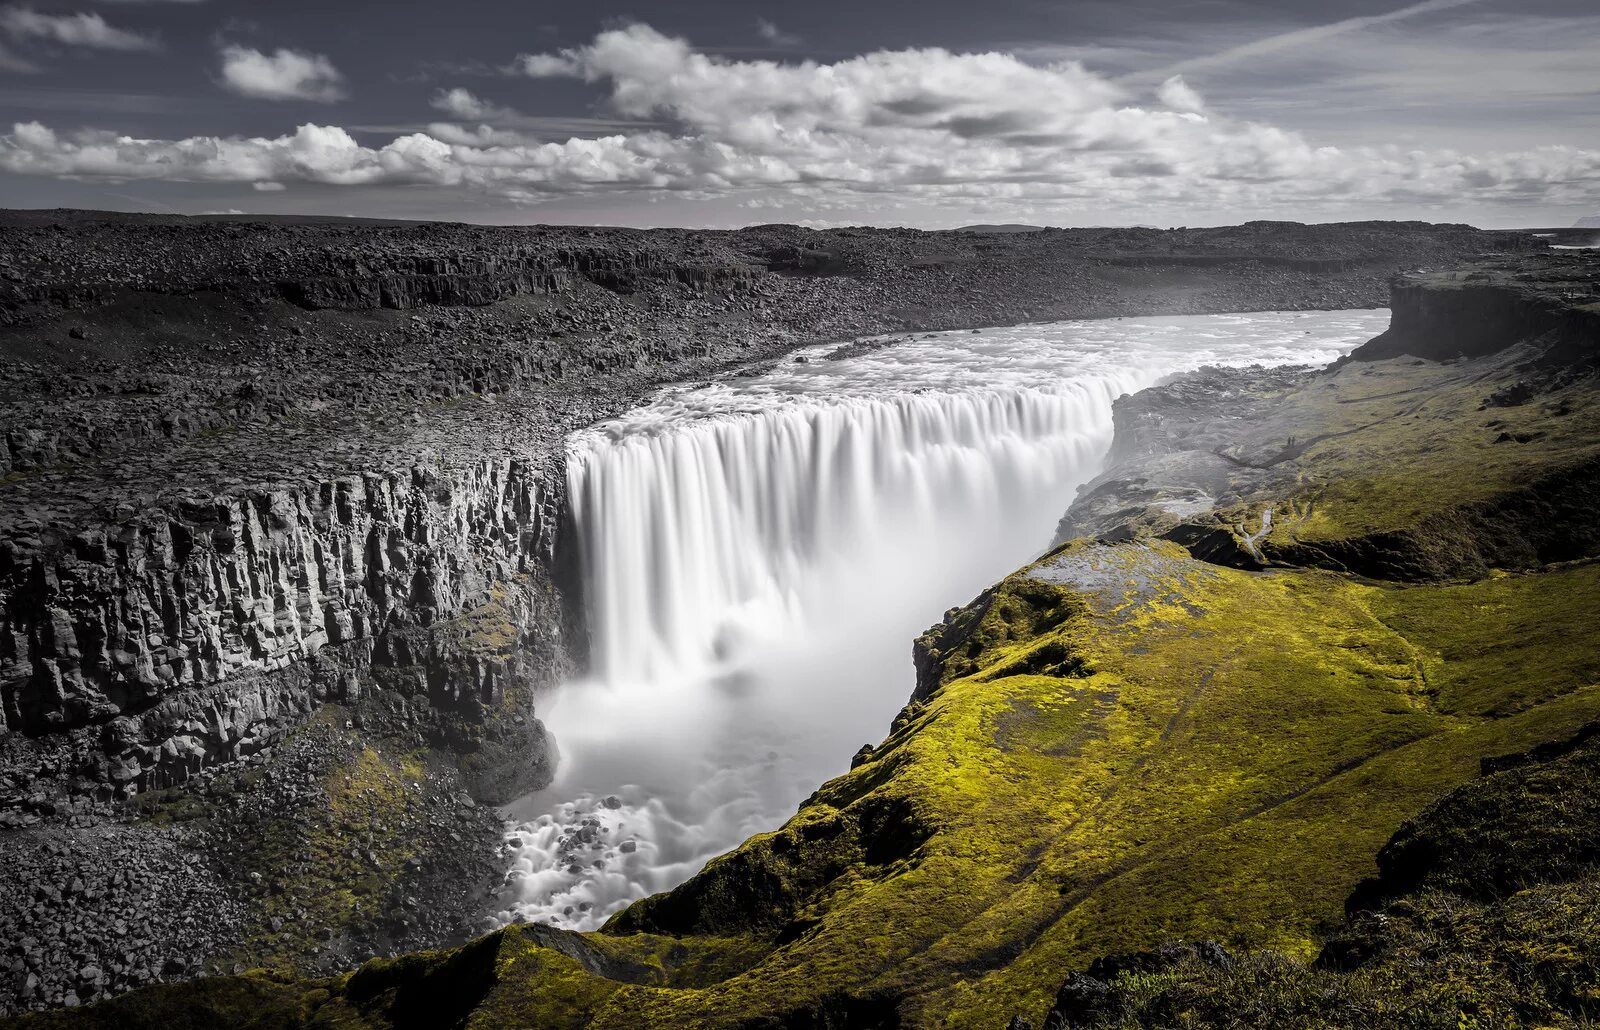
column 348, row 862
column 1496, row 924
column 334, row 866
column 1402, row 469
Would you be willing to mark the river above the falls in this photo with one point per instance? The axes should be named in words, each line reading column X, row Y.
column 760, row 551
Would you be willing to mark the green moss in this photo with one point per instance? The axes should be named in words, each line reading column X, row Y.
column 1021, row 609
column 1522, row 826
column 1521, row 651
column 345, row 862
column 1521, row 948
column 491, row 626
column 1406, row 469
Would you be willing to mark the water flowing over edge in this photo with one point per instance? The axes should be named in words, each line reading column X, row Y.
column 760, row 552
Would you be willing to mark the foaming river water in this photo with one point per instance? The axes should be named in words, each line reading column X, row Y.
column 760, row 551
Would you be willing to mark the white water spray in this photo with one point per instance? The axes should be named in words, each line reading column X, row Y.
column 761, row 551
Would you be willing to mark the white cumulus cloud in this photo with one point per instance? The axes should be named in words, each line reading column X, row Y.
column 951, row 130
column 281, row 75
column 1180, row 96
column 464, row 104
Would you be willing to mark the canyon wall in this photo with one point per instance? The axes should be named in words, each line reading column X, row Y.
column 199, row 634
column 1441, row 315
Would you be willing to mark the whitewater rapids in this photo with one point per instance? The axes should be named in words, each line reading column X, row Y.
column 760, row 551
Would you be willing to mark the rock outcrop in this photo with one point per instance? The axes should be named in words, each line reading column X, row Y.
column 286, row 596
column 1550, row 301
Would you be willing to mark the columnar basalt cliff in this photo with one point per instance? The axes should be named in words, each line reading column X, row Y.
column 1472, row 312
column 288, row 595
column 281, row 523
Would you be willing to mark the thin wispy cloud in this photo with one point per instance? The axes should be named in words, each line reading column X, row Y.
column 777, row 37
column 90, row 31
column 1299, row 38
column 10, row 62
column 478, row 122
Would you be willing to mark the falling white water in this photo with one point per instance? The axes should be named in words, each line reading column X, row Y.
column 760, row 552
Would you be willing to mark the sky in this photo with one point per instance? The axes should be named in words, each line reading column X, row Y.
column 933, row 113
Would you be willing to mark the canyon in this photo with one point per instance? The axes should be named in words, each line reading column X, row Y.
column 291, row 572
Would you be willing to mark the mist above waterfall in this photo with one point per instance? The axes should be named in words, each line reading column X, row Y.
column 760, row 551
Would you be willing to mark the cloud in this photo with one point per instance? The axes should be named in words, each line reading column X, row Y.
column 282, row 75
column 774, row 35
column 1180, row 96
column 927, row 126
column 1303, row 37
column 464, row 104
column 501, row 125
column 90, row 31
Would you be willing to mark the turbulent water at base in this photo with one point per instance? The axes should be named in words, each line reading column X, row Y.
column 760, row 552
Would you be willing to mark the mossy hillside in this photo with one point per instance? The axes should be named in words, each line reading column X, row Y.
column 1487, row 915
column 1223, row 758
column 1446, row 963
column 1305, row 735
column 1529, row 643
column 970, row 638
column 1400, row 467
column 1529, row 824
column 348, row 863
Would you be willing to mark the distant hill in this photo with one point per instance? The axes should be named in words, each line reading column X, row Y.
column 1592, row 222
column 1008, row 227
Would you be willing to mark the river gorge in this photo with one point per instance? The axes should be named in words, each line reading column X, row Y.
column 413, row 626
column 760, row 551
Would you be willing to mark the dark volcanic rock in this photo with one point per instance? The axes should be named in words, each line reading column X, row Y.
column 1550, row 299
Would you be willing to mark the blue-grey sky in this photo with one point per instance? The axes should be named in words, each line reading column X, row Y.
column 720, row 112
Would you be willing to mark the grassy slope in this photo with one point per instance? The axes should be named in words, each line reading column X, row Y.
column 1492, row 920
column 1131, row 745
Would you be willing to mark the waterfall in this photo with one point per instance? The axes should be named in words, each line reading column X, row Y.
column 759, row 553
column 698, row 538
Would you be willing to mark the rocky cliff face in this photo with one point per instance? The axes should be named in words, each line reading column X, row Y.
column 1552, row 302
column 201, row 634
